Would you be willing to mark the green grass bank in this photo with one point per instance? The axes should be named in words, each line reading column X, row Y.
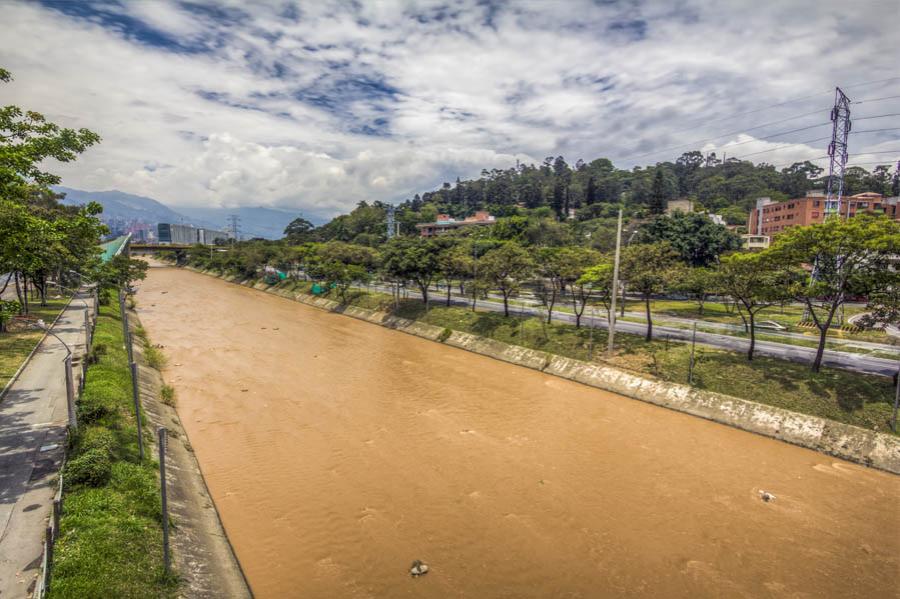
column 18, row 341
column 110, row 542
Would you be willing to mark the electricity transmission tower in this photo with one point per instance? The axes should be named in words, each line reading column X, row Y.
column 837, row 152
column 235, row 226
column 391, row 221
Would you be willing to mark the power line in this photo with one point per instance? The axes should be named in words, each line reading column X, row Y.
column 799, row 143
column 700, row 141
column 879, row 116
column 791, row 101
column 875, row 99
column 874, row 130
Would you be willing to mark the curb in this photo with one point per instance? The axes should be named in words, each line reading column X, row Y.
column 135, row 321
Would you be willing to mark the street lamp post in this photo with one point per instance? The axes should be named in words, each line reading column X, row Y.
column 70, row 381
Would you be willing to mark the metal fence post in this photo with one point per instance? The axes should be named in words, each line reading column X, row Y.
column 693, row 344
column 896, row 403
column 48, row 539
column 70, row 394
column 87, row 332
column 161, row 431
column 125, row 332
column 137, row 408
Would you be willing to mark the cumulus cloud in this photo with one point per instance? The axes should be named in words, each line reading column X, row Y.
column 317, row 106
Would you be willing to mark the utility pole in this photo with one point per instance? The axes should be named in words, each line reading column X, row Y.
column 615, row 288
column 235, row 226
column 837, row 153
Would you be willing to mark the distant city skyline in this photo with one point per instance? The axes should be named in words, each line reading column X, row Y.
column 314, row 107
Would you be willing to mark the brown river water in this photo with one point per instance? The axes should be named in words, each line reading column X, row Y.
column 338, row 452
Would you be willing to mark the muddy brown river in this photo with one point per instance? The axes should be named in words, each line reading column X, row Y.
column 338, row 452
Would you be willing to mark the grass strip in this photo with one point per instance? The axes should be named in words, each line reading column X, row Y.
column 16, row 344
column 110, row 542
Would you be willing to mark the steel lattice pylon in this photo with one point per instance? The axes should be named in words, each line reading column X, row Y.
column 837, row 152
column 391, row 222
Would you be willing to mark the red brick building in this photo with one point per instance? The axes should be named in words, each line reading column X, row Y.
column 771, row 218
column 444, row 223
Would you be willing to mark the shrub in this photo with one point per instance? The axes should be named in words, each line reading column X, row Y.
column 89, row 413
column 95, row 438
column 97, row 351
column 154, row 357
column 92, row 468
column 445, row 334
column 167, row 394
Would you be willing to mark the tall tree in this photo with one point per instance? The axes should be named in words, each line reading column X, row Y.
column 574, row 261
column 590, row 192
column 698, row 240
column 658, row 195
column 754, row 284
column 506, row 268
column 646, row 269
column 412, row 259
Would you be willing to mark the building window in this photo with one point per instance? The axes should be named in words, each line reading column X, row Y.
column 816, row 203
column 815, row 215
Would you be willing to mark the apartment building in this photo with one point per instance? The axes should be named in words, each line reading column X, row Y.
column 771, row 218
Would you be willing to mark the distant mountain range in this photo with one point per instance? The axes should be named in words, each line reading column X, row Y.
column 268, row 223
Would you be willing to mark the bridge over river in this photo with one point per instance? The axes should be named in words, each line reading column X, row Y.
column 338, row 452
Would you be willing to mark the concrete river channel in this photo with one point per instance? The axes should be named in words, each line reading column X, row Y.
column 338, row 452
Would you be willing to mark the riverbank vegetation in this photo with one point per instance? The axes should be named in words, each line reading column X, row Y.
column 110, row 542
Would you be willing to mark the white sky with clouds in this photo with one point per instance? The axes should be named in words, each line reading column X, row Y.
column 319, row 106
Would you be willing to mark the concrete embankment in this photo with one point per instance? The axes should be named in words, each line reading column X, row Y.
column 203, row 556
column 855, row 444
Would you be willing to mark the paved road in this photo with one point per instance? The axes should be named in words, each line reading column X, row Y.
column 724, row 326
column 796, row 353
column 33, row 417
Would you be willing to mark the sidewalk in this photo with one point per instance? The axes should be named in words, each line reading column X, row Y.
column 33, row 418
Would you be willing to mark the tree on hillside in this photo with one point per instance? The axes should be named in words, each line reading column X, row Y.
column 590, row 192
column 412, row 259
column 754, row 284
column 506, row 268
column 851, row 257
column 698, row 240
column 298, row 231
column 658, row 196
column 646, row 269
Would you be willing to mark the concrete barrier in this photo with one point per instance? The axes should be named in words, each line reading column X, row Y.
column 845, row 441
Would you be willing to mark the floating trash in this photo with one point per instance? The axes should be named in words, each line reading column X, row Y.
column 418, row 569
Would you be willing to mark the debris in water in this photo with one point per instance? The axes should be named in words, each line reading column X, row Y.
column 418, row 569
column 766, row 496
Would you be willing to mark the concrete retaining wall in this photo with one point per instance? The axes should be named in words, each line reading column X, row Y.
column 852, row 443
